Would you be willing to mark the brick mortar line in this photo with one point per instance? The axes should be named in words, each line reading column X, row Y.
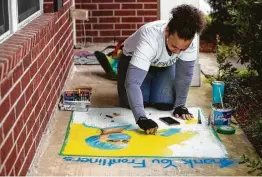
column 66, row 2
column 3, row 169
column 26, row 156
column 24, row 126
column 26, row 89
column 21, row 47
column 117, row 22
column 63, row 14
column 11, row 71
column 21, row 62
column 90, row 3
column 33, row 141
column 56, row 90
column 34, row 92
column 5, row 61
column 110, row 30
column 123, row 16
column 33, row 62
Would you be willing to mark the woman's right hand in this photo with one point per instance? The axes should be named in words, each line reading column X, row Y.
column 148, row 125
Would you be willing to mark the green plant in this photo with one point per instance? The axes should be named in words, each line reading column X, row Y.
column 245, row 73
column 246, row 17
column 239, row 27
column 221, row 20
column 209, row 79
column 260, row 125
column 209, row 33
column 223, row 53
column 255, row 165
column 241, row 22
column 208, row 19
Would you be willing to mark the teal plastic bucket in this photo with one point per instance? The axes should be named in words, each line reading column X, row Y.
column 218, row 88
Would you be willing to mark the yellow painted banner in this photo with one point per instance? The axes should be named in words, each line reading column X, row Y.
column 94, row 134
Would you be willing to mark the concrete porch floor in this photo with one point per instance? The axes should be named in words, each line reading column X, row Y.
column 47, row 161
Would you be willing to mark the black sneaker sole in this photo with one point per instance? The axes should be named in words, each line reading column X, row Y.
column 102, row 59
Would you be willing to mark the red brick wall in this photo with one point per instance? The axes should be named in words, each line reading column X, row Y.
column 34, row 64
column 207, row 46
column 114, row 19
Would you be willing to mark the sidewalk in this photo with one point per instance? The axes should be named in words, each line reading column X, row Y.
column 209, row 65
column 47, row 161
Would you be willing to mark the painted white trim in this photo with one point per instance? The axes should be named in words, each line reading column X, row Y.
column 74, row 32
column 74, row 24
column 28, row 20
column 4, row 36
column 7, row 34
column 13, row 18
column 41, row 2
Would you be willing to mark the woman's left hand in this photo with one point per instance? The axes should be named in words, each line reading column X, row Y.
column 182, row 111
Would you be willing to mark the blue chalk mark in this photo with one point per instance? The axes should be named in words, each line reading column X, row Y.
column 226, row 163
column 126, row 127
column 113, row 142
column 88, row 126
column 167, row 163
column 170, row 132
column 119, row 136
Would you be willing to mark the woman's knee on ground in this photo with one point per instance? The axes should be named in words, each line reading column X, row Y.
column 163, row 106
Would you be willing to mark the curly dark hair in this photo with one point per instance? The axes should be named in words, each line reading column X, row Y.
column 186, row 21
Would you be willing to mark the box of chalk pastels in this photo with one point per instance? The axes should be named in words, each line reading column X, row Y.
column 76, row 100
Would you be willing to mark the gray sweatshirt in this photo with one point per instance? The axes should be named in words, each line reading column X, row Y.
column 135, row 77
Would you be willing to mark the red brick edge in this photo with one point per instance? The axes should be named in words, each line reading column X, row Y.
column 111, row 20
column 34, row 64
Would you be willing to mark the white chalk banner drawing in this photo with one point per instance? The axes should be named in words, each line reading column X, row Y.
column 189, row 139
